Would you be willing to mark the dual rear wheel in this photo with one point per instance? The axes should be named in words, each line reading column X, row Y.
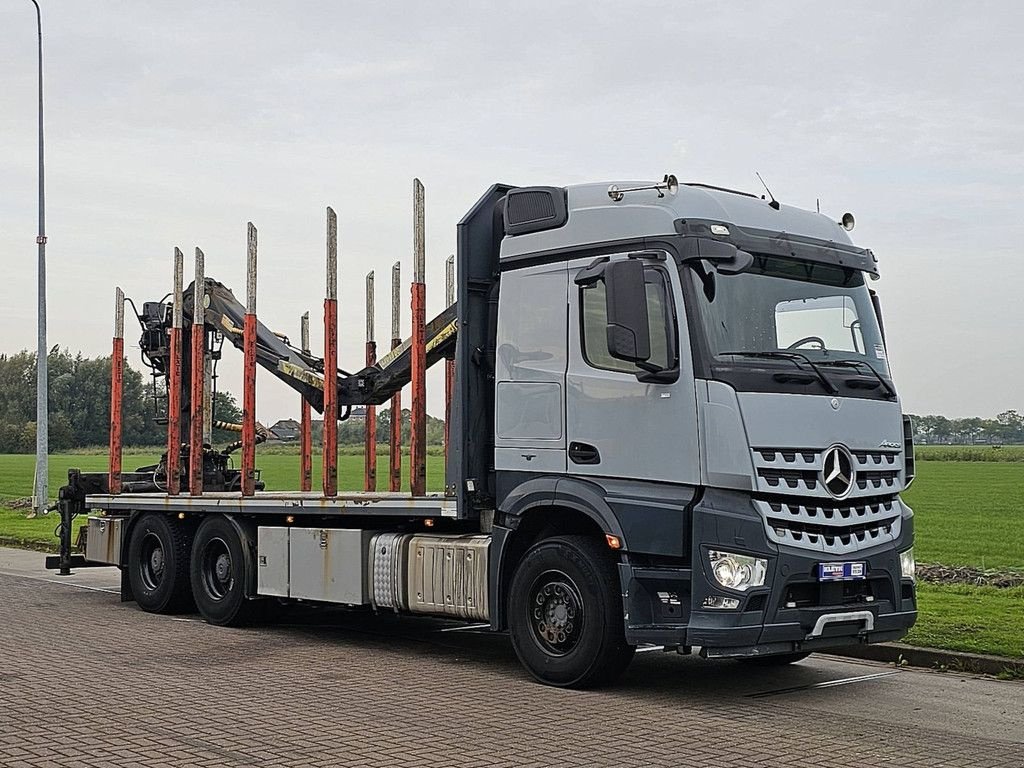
column 174, row 566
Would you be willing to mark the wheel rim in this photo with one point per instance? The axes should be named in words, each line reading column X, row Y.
column 152, row 563
column 556, row 613
column 217, row 570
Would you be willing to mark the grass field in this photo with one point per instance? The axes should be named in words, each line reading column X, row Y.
column 966, row 513
column 969, row 513
column 279, row 471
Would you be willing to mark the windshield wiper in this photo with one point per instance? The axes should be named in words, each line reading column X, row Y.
column 826, row 382
column 889, row 390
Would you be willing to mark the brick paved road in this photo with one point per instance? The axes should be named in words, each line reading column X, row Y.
column 352, row 690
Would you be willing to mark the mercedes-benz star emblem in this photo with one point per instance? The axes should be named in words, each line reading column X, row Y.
column 837, row 471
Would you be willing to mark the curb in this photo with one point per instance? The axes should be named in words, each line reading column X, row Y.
column 15, row 542
column 932, row 658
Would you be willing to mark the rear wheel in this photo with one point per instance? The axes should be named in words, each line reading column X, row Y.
column 219, row 573
column 158, row 557
column 565, row 614
column 777, row 660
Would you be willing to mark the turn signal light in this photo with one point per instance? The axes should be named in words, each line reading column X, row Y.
column 613, row 541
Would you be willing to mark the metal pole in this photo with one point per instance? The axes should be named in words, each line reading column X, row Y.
column 449, row 364
column 116, row 389
column 395, row 441
column 306, row 424
column 41, row 495
column 174, row 440
column 370, row 425
column 249, row 371
column 195, row 451
column 418, row 436
column 330, row 439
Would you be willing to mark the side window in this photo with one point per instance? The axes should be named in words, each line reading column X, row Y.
column 659, row 317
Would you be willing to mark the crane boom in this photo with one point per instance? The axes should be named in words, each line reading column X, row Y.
column 303, row 372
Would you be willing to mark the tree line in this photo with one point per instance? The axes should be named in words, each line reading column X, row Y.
column 1006, row 428
column 79, row 407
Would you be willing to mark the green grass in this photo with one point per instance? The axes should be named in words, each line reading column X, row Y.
column 280, row 472
column 971, row 619
column 969, row 513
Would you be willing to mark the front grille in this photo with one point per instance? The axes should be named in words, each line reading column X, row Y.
column 798, row 471
column 834, row 528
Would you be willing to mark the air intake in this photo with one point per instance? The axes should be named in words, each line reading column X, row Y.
column 534, row 209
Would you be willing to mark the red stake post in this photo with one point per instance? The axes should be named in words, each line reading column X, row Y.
column 418, row 441
column 395, row 441
column 116, row 388
column 195, row 450
column 306, row 424
column 249, row 371
column 330, row 440
column 370, row 428
column 174, row 382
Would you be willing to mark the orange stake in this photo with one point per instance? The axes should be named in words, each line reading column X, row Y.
column 249, row 372
column 330, row 440
column 174, row 383
column 116, row 388
column 418, row 437
column 195, row 451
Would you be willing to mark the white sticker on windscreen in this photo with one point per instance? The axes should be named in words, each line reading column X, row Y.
column 879, row 351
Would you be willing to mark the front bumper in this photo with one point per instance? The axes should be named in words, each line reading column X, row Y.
column 792, row 612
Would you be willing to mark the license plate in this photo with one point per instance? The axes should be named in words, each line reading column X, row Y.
column 842, row 571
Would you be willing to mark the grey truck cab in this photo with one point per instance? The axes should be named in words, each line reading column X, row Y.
column 701, row 376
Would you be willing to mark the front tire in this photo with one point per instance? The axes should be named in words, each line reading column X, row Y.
column 565, row 614
column 158, row 558
column 219, row 572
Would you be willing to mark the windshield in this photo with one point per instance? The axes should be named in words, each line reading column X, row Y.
column 778, row 305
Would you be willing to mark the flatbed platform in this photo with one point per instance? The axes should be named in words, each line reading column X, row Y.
column 280, row 502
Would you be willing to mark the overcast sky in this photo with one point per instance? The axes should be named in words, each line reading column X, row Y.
column 174, row 123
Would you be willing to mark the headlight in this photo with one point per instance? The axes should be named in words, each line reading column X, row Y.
column 908, row 567
column 739, row 572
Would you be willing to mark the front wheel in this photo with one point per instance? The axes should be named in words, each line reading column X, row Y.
column 565, row 614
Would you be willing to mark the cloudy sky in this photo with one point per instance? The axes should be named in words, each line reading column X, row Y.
column 174, row 123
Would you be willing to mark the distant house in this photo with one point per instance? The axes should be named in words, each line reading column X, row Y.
column 285, row 431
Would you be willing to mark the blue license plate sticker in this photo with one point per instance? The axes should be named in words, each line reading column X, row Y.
column 842, row 571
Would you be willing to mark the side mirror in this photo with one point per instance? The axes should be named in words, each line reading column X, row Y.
column 629, row 335
column 741, row 262
column 726, row 257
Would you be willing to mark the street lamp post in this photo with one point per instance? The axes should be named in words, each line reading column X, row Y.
column 41, row 491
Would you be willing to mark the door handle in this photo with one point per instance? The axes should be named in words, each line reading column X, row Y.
column 584, row 453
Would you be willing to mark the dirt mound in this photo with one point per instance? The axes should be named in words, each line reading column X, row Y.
column 946, row 574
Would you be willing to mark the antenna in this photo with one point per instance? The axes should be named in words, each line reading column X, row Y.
column 774, row 203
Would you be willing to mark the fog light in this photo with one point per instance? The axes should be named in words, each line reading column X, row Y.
column 739, row 572
column 714, row 601
column 908, row 568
